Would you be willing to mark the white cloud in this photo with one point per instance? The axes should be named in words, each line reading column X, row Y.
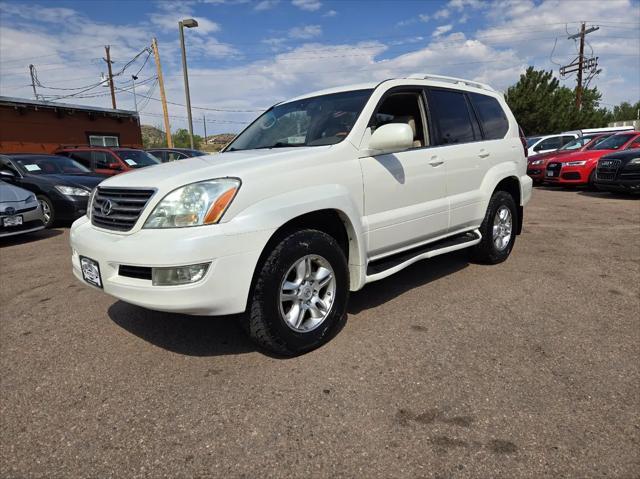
column 423, row 17
column 441, row 30
column 265, row 5
column 330, row 13
column 308, row 5
column 305, row 32
column 442, row 13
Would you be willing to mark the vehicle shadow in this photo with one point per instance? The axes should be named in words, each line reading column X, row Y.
column 29, row 237
column 416, row 275
column 222, row 335
column 183, row 334
column 610, row 195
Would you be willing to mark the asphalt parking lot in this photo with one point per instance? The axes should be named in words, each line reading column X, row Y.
column 526, row 369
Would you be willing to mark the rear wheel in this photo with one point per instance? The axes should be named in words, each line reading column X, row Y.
column 47, row 211
column 300, row 294
column 498, row 230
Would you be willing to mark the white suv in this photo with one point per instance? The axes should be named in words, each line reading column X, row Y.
column 320, row 195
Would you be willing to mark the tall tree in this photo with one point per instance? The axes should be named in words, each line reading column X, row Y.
column 541, row 105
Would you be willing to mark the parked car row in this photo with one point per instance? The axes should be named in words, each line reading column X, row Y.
column 580, row 165
column 37, row 190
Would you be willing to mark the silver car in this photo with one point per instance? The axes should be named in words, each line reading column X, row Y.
column 20, row 211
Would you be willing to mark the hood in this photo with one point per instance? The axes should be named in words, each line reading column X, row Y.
column 86, row 181
column 584, row 155
column 12, row 194
column 230, row 164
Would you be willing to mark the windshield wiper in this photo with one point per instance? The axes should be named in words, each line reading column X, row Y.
column 280, row 144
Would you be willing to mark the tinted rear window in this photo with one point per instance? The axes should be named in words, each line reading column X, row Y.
column 494, row 121
column 450, row 112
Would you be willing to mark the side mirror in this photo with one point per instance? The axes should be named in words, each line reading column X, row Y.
column 391, row 138
column 114, row 166
column 7, row 174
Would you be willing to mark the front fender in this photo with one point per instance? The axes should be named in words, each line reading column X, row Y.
column 273, row 212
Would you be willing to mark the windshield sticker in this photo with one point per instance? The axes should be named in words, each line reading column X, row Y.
column 130, row 162
column 32, row 167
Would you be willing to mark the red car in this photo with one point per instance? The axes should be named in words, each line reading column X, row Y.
column 108, row 160
column 579, row 168
column 537, row 164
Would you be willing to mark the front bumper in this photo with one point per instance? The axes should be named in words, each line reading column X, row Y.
column 571, row 175
column 32, row 220
column 631, row 186
column 69, row 208
column 223, row 290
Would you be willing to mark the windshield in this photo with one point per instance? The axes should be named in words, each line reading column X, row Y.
column 137, row 158
column 49, row 165
column 316, row 121
column 532, row 141
column 577, row 143
column 597, row 141
column 613, row 142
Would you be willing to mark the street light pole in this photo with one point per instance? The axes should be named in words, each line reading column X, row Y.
column 135, row 100
column 189, row 23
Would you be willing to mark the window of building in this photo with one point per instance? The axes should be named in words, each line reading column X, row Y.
column 104, row 140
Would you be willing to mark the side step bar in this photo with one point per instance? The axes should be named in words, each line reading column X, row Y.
column 384, row 267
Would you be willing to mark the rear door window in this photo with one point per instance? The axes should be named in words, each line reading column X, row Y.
column 450, row 112
column 552, row 143
column 494, row 121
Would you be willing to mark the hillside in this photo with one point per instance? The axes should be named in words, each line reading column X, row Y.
column 152, row 137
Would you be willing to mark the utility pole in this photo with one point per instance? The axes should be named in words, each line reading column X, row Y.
column 33, row 80
column 108, row 60
column 163, row 98
column 579, row 65
column 204, row 123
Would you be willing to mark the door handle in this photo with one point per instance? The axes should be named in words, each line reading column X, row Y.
column 435, row 161
column 483, row 154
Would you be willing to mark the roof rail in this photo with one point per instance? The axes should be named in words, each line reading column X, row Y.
column 442, row 78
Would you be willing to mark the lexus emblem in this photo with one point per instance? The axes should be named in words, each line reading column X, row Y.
column 107, row 207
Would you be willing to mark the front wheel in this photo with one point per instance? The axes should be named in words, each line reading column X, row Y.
column 498, row 230
column 47, row 211
column 300, row 293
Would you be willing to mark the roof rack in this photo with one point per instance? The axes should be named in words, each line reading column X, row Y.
column 442, row 78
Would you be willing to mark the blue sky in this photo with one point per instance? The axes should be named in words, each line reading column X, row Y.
column 248, row 54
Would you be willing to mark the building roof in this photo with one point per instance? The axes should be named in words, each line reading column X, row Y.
column 37, row 104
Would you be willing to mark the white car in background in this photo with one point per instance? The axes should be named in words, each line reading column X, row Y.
column 547, row 143
column 317, row 197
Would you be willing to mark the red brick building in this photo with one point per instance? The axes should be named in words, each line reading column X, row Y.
column 33, row 126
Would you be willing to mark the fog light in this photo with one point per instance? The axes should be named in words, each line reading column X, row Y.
column 178, row 274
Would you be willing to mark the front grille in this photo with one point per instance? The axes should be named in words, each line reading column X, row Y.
column 123, row 210
column 553, row 171
column 607, row 169
column 139, row 272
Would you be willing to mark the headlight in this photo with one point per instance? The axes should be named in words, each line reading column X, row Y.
column 575, row 163
column 635, row 161
column 30, row 199
column 201, row 203
column 537, row 162
column 72, row 191
column 90, row 202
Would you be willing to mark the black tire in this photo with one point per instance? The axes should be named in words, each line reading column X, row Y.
column 591, row 185
column 46, row 203
column 486, row 251
column 264, row 322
